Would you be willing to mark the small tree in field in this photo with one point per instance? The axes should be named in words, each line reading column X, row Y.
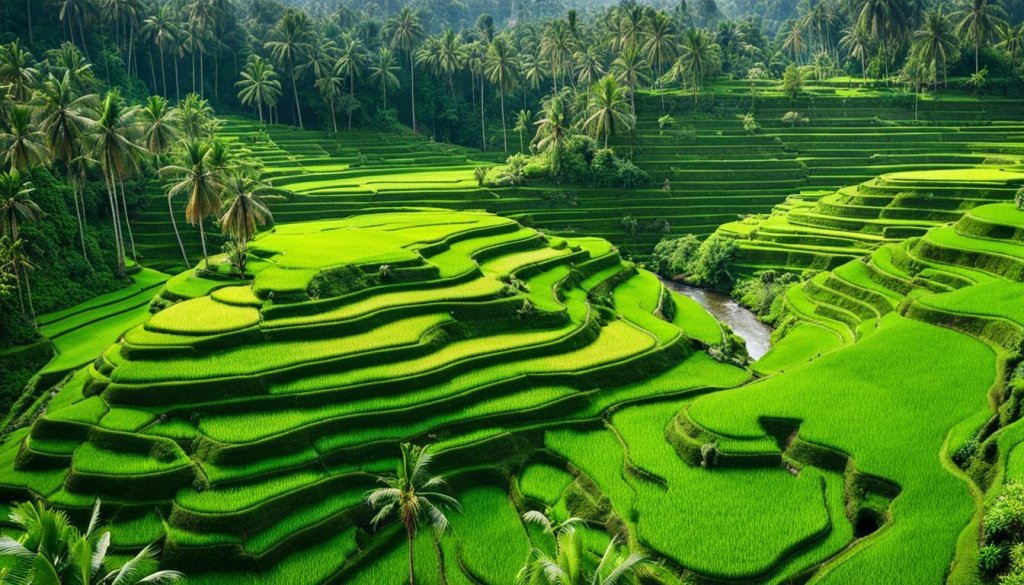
column 1019, row 199
column 792, row 82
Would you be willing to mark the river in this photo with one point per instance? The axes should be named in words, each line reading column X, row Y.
column 741, row 320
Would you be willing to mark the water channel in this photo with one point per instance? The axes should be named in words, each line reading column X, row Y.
column 741, row 320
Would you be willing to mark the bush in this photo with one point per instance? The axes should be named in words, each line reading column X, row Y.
column 336, row 282
column 709, row 453
column 763, row 293
column 794, row 119
column 750, row 124
column 991, row 559
column 710, row 266
column 792, row 82
column 1019, row 199
column 672, row 257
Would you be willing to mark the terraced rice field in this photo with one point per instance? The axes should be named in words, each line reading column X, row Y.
column 242, row 425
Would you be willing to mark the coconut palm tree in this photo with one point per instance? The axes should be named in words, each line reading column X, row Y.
column 330, row 87
column 22, row 146
column 289, row 44
column 259, row 85
column 65, row 125
column 52, row 550
column 73, row 12
column 383, row 72
column 698, row 58
column 557, row 47
column 195, row 116
column 886, row 23
column 199, row 182
column 449, row 57
column 16, row 206
column 351, row 62
column 406, row 31
column 159, row 134
column 659, row 46
column 978, row 24
column 524, row 119
column 413, row 496
column 631, row 68
column 607, row 110
column 935, row 44
column 570, row 564
column 857, row 43
column 794, row 42
column 68, row 60
column 1013, row 43
column 114, row 146
column 17, row 71
column 160, row 27
column 500, row 66
column 246, row 209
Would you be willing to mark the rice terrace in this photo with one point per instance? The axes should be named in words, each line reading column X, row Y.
column 546, row 292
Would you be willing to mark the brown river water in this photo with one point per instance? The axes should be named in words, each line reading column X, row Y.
column 741, row 320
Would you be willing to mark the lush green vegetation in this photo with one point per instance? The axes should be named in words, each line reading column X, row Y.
column 393, row 312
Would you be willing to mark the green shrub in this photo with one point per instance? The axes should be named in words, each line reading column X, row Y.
column 1004, row 520
column 991, row 559
column 337, row 281
column 1018, row 199
column 710, row 266
column 794, row 119
column 763, row 293
column 672, row 257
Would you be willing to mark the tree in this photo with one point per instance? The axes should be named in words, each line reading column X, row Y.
column 978, row 23
column 290, row 42
column 607, row 110
column 553, row 129
column 794, row 42
column 415, row 497
column 406, row 31
column 22, row 146
column 351, row 63
column 246, row 209
column 935, row 44
column 17, row 71
column 698, row 58
column 195, row 117
column 885, row 22
column 570, row 564
column 199, row 182
column 259, row 85
column 65, row 125
column 53, row 551
column 16, row 205
column 660, row 45
column 500, row 67
column 524, row 119
column 557, row 47
column 114, row 146
column 383, row 72
column 329, row 84
column 68, row 60
column 159, row 134
column 1013, row 43
column 631, row 68
column 792, row 82
column 857, row 43
column 589, row 67
column 160, row 28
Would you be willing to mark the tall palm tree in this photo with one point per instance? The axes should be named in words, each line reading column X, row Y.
column 22, row 146
column 698, row 58
column 114, row 146
column 570, row 564
column 660, row 44
column 857, row 43
column 259, row 85
column 1013, row 43
column 16, row 205
column 73, row 12
column 200, row 182
column 557, row 47
column 794, row 42
column 414, row 496
column 290, row 42
column 68, row 60
column 406, row 31
column 351, row 62
column 246, row 209
column 195, row 116
column 607, row 110
column 17, row 70
column 159, row 134
column 886, row 22
column 589, row 67
column 65, row 124
column 383, row 72
column 500, row 66
column 524, row 119
column 52, row 550
column 329, row 84
column 449, row 57
column 631, row 68
column 553, row 130
column 979, row 23
column 160, row 27
column 934, row 43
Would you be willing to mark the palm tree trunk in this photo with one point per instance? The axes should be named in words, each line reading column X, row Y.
column 442, row 577
column 177, row 234
column 412, row 572
column 177, row 86
column 202, row 238
column 131, row 238
column 85, row 45
column 152, row 71
column 504, row 132
column 977, row 49
column 483, row 125
column 31, row 307
column 193, row 57
column 259, row 108
column 163, row 69
column 201, row 73
column 118, row 243
column 412, row 88
column 28, row 10
column 352, row 98
column 295, row 93
column 78, row 216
